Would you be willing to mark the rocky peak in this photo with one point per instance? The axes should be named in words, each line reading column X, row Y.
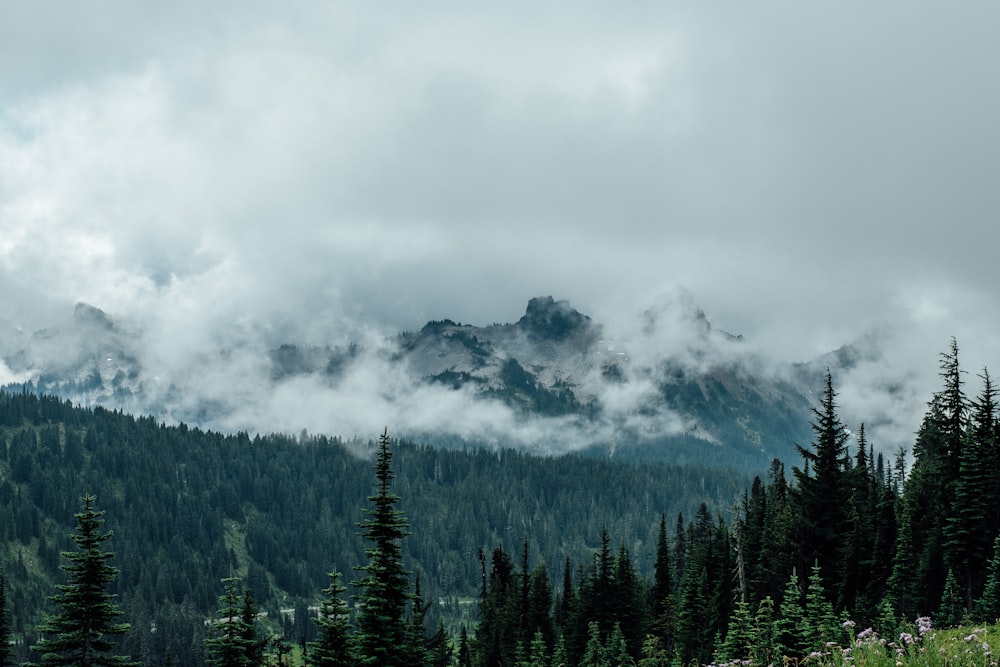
column 548, row 319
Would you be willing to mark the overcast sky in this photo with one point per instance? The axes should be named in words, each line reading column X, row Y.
column 305, row 170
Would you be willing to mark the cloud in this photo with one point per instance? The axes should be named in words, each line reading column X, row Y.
column 244, row 173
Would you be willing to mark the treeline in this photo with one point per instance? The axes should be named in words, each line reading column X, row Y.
column 190, row 508
column 597, row 575
column 845, row 541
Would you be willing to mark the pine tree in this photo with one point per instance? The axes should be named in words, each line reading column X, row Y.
column 464, row 651
column 253, row 638
column 952, row 607
column 382, row 637
column 594, row 654
column 233, row 645
column 4, row 623
column 929, row 490
column 788, row 628
column 662, row 593
column 988, row 605
column 820, row 625
column 739, row 635
column 84, row 629
column 332, row 648
column 762, row 638
column 823, row 488
column 968, row 527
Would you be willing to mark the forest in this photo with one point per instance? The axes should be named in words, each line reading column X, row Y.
column 278, row 549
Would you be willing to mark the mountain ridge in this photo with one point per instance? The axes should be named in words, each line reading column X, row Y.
column 674, row 388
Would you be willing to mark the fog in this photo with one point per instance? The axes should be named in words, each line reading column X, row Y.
column 236, row 176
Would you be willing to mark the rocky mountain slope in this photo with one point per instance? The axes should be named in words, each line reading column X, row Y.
column 667, row 386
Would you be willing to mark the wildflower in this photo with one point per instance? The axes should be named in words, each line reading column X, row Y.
column 849, row 623
column 924, row 625
column 907, row 638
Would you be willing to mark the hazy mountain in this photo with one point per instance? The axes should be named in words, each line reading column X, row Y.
column 666, row 386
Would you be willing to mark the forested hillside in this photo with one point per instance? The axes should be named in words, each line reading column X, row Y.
column 188, row 508
column 531, row 561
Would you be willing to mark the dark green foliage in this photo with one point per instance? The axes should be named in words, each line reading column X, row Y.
column 333, row 646
column 234, row 643
column 382, row 637
column 823, row 489
column 85, row 629
column 971, row 525
column 4, row 623
column 988, row 605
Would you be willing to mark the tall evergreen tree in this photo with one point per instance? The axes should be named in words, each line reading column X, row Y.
column 968, row 529
column 4, row 622
column 233, row 645
column 82, row 633
column 823, row 488
column 930, row 487
column 332, row 648
column 382, row 637
column 662, row 593
column 988, row 605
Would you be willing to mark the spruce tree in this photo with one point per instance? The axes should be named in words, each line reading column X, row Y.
column 332, row 648
column 232, row 645
column 4, row 623
column 823, row 488
column 968, row 527
column 929, row 491
column 382, row 637
column 82, row 633
column 788, row 628
column 988, row 605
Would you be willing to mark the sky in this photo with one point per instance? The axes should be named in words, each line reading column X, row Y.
column 812, row 173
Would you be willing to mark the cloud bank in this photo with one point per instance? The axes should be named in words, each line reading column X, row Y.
column 245, row 174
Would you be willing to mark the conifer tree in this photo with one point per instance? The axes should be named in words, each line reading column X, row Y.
column 929, row 490
column 823, row 488
column 464, row 651
column 594, row 654
column 763, row 636
column 788, row 628
column 739, row 635
column 819, row 624
column 83, row 632
column 969, row 526
column 4, row 622
column 332, row 648
column 382, row 637
column 233, row 646
column 952, row 607
column 988, row 605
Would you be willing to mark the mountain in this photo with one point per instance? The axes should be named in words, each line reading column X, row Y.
column 664, row 386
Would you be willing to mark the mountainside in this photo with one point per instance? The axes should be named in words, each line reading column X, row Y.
column 667, row 386
column 189, row 508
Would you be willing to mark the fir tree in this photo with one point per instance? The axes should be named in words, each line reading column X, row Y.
column 763, row 639
column 988, row 606
column 382, row 637
column 233, row 645
column 83, row 631
column 952, row 607
column 819, row 624
column 788, row 628
column 464, row 652
column 594, row 654
column 4, row 623
column 823, row 488
column 929, row 491
column 739, row 635
column 332, row 648
column 969, row 526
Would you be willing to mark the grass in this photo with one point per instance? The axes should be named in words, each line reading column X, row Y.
column 918, row 645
